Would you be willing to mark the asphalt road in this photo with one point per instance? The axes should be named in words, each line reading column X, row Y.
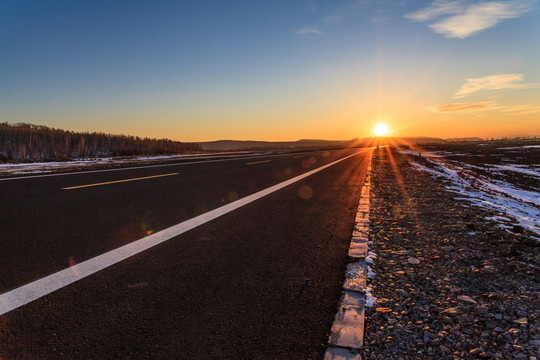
column 260, row 282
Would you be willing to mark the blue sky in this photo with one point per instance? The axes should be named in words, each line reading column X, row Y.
column 272, row 70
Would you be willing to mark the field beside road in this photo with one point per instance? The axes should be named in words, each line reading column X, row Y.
column 503, row 177
column 456, row 255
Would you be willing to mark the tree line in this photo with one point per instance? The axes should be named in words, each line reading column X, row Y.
column 27, row 142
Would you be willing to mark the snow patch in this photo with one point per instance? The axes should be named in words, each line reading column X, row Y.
column 370, row 273
column 535, row 171
column 371, row 256
column 37, row 168
column 370, row 299
column 485, row 192
column 498, row 218
column 520, row 147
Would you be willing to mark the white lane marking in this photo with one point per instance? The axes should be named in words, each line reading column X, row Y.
column 258, row 162
column 117, row 181
column 44, row 286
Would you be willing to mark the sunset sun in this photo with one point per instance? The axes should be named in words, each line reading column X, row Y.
column 380, row 129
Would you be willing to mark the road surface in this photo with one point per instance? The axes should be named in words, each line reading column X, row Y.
column 261, row 281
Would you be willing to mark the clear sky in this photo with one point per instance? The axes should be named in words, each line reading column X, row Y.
column 272, row 70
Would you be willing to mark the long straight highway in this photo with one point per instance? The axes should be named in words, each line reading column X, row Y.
column 247, row 258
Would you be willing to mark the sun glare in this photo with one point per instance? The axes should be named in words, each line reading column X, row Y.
column 380, row 129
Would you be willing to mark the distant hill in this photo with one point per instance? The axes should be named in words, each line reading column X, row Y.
column 226, row 145
column 396, row 141
column 466, row 139
column 521, row 136
column 423, row 140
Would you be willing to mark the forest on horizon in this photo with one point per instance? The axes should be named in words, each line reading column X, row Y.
column 28, row 142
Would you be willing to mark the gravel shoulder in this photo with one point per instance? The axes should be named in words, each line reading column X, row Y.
column 449, row 283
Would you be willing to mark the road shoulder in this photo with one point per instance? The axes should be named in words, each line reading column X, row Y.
column 449, row 283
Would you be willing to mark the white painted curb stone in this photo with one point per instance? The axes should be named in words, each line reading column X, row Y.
column 347, row 335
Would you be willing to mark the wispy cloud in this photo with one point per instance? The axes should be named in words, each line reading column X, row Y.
column 493, row 82
column 468, row 107
column 462, row 19
column 483, row 106
column 333, row 18
column 436, row 9
column 309, row 6
column 521, row 109
column 309, row 30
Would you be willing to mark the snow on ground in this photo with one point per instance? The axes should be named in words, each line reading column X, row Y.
column 371, row 256
column 521, row 205
column 88, row 164
column 523, row 169
column 47, row 167
column 370, row 299
column 520, row 147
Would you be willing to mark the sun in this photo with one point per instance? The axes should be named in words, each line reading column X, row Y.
column 380, row 129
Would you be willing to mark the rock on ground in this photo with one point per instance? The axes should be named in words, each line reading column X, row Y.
column 458, row 286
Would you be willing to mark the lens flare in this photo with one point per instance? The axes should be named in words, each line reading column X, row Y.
column 305, row 192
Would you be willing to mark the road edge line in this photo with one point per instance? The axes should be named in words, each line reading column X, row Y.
column 347, row 332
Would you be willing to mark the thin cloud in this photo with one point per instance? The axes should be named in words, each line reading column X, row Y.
column 468, row 19
column 493, row 82
column 436, row 9
column 379, row 19
column 479, row 17
column 468, row 107
column 310, row 6
column 333, row 18
column 308, row 30
column 522, row 109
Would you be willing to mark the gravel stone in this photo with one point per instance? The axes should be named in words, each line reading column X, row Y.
column 471, row 290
